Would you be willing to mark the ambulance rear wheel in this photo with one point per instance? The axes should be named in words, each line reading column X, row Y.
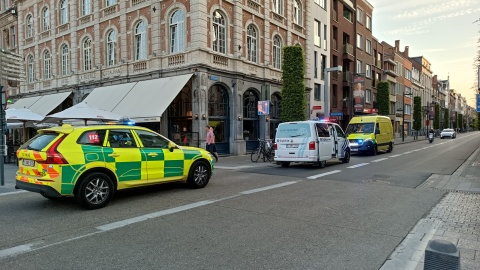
column 285, row 164
column 199, row 175
column 346, row 158
column 390, row 148
column 95, row 190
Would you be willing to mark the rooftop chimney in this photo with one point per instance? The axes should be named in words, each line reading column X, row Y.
column 397, row 43
column 406, row 51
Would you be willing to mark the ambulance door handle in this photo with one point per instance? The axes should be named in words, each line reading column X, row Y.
column 114, row 155
column 152, row 154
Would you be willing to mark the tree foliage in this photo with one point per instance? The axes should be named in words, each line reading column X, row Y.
column 455, row 121
column 460, row 120
column 446, row 118
column 293, row 88
column 383, row 98
column 417, row 113
column 436, row 120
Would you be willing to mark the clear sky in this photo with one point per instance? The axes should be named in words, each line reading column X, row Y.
column 444, row 31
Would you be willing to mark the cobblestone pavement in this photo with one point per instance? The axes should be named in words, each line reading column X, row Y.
column 456, row 218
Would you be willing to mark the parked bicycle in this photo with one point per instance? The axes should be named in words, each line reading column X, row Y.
column 265, row 151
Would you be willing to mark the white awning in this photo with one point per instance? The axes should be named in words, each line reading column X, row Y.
column 106, row 98
column 151, row 98
column 42, row 105
column 48, row 103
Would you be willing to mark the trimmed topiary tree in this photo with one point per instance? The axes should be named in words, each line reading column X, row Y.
column 383, row 98
column 293, row 88
column 436, row 120
column 417, row 113
column 446, row 118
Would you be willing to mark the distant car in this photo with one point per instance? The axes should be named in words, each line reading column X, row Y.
column 92, row 162
column 448, row 132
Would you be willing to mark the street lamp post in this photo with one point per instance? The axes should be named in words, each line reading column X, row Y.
column 327, row 92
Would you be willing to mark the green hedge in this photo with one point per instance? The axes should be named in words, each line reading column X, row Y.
column 293, row 88
column 383, row 98
column 417, row 113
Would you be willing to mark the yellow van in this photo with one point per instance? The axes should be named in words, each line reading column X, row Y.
column 370, row 134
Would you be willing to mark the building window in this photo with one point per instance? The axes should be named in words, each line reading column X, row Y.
column 46, row 19
column 177, row 32
column 347, row 14
column 368, row 96
column 408, row 90
column 111, row 48
column 251, row 43
column 325, row 37
column 317, row 92
column 315, row 64
column 65, row 60
column 110, row 2
column 46, row 65
column 369, row 22
column 359, row 15
column 141, row 41
column 408, row 109
column 324, row 66
column 87, row 54
column 29, row 26
column 318, row 33
column 219, row 32
column 13, row 38
column 359, row 66
column 63, row 12
column 86, row 7
column 368, row 71
column 297, row 12
column 359, row 41
column 369, row 46
column 277, row 52
column 278, row 6
column 30, row 70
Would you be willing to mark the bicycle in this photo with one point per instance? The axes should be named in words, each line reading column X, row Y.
column 265, row 150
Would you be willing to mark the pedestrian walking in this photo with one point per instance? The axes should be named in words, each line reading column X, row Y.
column 211, row 142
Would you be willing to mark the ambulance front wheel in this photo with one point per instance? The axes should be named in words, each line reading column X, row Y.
column 199, row 175
column 95, row 190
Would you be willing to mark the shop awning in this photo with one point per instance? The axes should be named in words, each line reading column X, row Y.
column 42, row 105
column 151, row 98
column 108, row 97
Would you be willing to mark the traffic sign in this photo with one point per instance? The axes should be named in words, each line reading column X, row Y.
column 478, row 102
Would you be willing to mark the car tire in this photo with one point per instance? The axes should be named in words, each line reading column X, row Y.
column 346, row 158
column 441, row 138
column 322, row 163
column 285, row 164
column 374, row 151
column 95, row 190
column 199, row 175
column 390, row 148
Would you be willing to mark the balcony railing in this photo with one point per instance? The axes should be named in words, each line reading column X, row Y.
column 175, row 60
column 137, row 2
column 110, row 10
column 253, row 5
column 348, row 49
column 63, row 27
column 139, row 66
column 220, row 60
column 86, row 19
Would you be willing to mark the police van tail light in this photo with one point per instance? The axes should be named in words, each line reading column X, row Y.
column 275, row 146
column 53, row 156
column 311, row 146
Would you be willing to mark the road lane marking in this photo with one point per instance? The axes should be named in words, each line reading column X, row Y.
column 409, row 152
column 358, row 165
column 15, row 250
column 396, row 155
column 380, row 159
column 267, row 188
column 323, row 174
column 13, row 192
column 233, row 168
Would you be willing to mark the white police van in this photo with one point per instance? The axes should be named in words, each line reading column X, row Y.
column 310, row 142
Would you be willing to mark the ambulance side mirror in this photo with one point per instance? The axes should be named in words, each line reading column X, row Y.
column 172, row 146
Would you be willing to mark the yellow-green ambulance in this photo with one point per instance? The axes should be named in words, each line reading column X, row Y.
column 370, row 134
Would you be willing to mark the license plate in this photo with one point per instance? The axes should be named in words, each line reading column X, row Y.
column 292, row 145
column 28, row 162
column 354, row 150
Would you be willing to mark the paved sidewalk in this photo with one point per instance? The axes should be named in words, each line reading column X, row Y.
column 456, row 218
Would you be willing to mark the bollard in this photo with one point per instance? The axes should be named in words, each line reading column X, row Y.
column 441, row 255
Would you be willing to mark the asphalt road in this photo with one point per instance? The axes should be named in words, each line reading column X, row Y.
column 265, row 218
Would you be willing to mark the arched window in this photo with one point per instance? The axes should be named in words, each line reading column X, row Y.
column 277, row 52
column 177, row 31
column 30, row 69
column 275, row 106
column 111, row 48
column 46, row 65
column 297, row 12
column 29, row 26
column 250, row 118
column 86, row 7
column 252, row 43
column 141, row 41
column 46, row 19
column 87, row 54
column 63, row 12
column 219, row 32
column 65, row 60
column 278, row 6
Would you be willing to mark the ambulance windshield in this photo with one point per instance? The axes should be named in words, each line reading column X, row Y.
column 360, row 128
column 292, row 130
